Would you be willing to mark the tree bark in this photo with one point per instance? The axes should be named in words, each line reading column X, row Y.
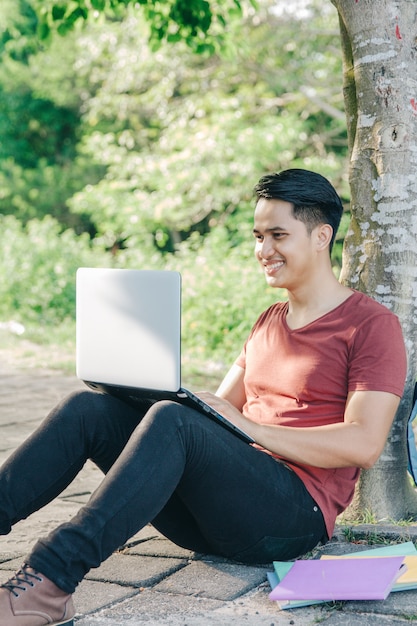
column 379, row 46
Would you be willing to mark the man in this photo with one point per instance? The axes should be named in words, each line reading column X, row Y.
column 316, row 385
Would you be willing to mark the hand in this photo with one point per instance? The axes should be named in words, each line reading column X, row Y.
column 221, row 405
column 225, row 408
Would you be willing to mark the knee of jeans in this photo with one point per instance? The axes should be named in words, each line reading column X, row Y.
column 163, row 409
column 75, row 403
column 77, row 407
column 167, row 413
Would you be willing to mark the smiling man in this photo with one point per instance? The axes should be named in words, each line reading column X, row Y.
column 316, row 385
column 319, row 380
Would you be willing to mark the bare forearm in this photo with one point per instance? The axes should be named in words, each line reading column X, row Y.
column 356, row 442
column 336, row 445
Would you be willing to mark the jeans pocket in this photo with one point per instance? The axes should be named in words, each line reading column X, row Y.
column 270, row 549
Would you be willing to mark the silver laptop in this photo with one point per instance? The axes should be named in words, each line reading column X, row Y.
column 128, row 338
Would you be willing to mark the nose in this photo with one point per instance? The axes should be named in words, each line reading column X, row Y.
column 265, row 248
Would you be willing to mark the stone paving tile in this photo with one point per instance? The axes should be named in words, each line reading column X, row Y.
column 159, row 547
column 399, row 603
column 31, row 395
column 135, row 571
column 221, row 581
column 148, row 607
column 6, row 557
column 341, row 619
column 26, row 532
column 164, row 609
column 92, row 596
column 10, row 566
column 12, row 436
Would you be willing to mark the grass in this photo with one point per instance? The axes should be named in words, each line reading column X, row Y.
column 42, row 349
column 32, row 352
column 369, row 518
column 366, row 517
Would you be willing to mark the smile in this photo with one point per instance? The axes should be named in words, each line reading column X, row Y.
column 271, row 267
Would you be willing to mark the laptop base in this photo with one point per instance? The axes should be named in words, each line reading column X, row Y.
column 143, row 399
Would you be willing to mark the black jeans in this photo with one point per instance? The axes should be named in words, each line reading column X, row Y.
column 198, row 484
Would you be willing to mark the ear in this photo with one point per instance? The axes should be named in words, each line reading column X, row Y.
column 324, row 236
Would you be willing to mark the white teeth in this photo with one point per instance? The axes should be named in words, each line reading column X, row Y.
column 274, row 266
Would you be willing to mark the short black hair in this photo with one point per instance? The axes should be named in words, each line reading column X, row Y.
column 314, row 199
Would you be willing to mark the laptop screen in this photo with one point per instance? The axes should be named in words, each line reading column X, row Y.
column 128, row 327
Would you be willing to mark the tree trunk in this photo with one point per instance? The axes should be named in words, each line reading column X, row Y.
column 380, row 256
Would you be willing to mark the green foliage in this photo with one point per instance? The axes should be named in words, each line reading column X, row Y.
column 223, row 291
column 46, row 131
column 200, row 24
column 153, row 154
column 18, row 29
column 112, row 138
column 38, row 264
column 40, row 166
column 29, row 193
column 180, row 136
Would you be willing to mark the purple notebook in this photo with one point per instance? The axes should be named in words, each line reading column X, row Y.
column 340, row 579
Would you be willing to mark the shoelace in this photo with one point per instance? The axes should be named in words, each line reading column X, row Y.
column 21, row 578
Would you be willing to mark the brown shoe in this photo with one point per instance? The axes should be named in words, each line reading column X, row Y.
column 31, row 599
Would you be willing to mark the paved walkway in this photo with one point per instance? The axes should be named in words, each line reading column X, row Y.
column 151, row 581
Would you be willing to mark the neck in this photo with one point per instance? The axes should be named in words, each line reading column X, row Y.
column 311, row 301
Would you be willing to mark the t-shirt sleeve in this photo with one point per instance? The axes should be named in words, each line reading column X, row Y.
column 378, row 359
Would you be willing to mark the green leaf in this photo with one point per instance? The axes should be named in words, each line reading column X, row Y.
column 58, row 12
column 98, row 5
column 79, row 12
column 43, row 30
column 64, row 28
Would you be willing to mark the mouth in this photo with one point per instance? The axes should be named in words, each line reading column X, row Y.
column 271, row 268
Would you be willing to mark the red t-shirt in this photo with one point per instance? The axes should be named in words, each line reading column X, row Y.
column 301, row 378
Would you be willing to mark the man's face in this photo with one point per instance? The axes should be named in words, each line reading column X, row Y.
column 283, row 245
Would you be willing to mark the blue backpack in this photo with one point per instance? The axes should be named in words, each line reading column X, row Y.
column 411, row 441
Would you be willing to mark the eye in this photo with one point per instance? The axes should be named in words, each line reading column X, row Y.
column 258, row 236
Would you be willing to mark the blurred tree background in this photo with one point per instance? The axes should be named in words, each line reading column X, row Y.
column 115, row 151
